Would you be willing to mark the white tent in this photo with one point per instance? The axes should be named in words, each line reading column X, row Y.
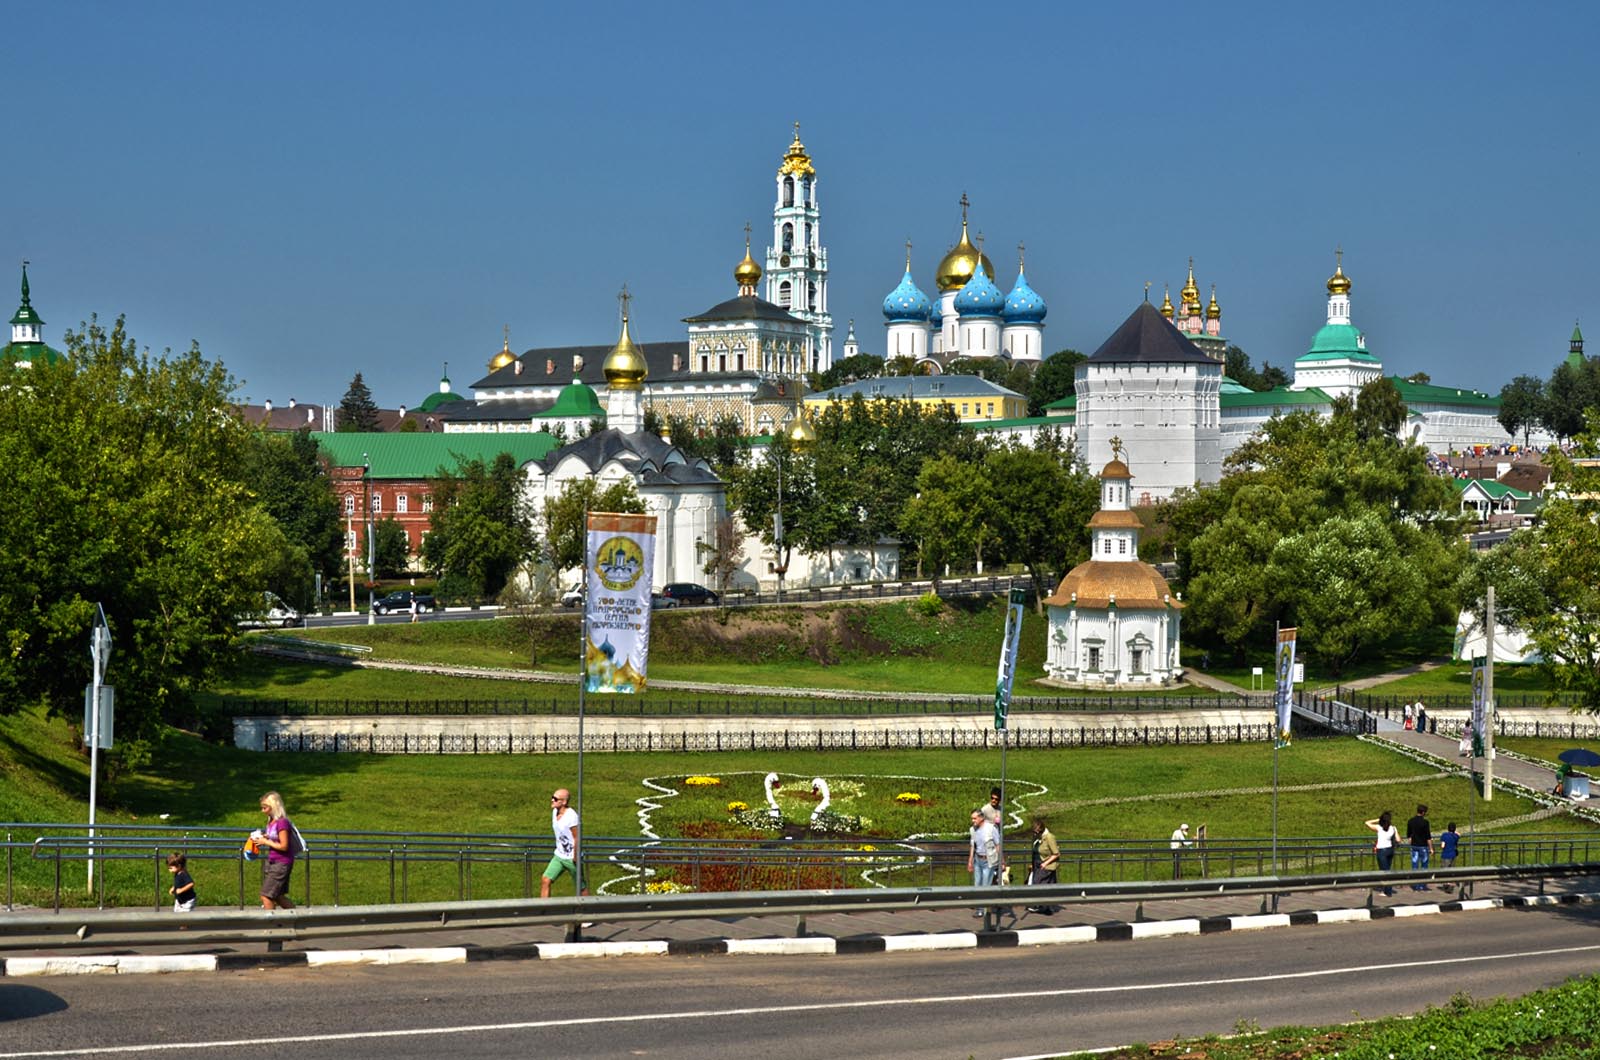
column 1510, row 645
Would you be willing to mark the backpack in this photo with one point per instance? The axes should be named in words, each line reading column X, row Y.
column 297, row 843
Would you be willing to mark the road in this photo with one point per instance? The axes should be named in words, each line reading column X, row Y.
column 982, row 1003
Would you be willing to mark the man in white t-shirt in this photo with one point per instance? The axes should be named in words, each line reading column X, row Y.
column 1180, row 839
column 564, row 823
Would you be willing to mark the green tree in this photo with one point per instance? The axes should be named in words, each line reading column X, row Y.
column 949, row 518
column 482, row 529
column 391, row 547
column 1567, row 395
column 724, row 553
column 123, row 489
column 357, row 411
column 1053, row 380
column 1380, row 411
column 846, row 370
column 1041, row 504
column 563, row 516
column 724, row 445
column 1522, row 405
column 289, row 478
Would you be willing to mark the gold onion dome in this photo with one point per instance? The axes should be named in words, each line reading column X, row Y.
column 1213, row 311
column 1191, row 291
column 505, row 356
column 1166, row 303
column 800, row 432
column 1338, row 283
column 747, row 273
column 959, row 265
column 625, row 368
column 795, row 160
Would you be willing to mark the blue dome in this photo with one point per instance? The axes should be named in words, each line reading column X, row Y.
column 936, row 313
column 1023, row 304
column 980, row 297
column 906, row 302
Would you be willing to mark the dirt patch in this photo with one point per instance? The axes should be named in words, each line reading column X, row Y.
column 824, row 636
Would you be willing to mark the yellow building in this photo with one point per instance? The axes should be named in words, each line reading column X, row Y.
column 974, row 399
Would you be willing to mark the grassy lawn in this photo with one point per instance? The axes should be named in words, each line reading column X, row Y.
column 1546, row 749
column 1404, row 649
column 1514, row 684
column 1560, row 1023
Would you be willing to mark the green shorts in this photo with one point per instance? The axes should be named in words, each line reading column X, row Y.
column 557, row 866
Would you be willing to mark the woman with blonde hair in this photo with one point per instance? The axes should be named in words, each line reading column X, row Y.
column 279, row 841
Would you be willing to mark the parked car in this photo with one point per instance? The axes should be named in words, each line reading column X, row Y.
column 658, row 601
column 572, row 597
column 274, row 612
column 400, row 602
column 689, row 593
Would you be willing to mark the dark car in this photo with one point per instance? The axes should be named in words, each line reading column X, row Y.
column 689, row 593
column 400, row 603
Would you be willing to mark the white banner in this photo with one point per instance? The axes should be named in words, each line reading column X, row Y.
column 1286, row 675
column 1480, row 704
column 619, row 558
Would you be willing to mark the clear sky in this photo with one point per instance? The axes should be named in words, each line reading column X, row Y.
column 313, row 190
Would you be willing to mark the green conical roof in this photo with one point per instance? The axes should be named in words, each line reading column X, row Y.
column 25, row 313
column 577, row 400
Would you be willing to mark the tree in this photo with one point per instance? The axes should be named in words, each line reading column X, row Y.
column 357, row 412
column 482, row 530
column 391, row 547
column 1053, row 380
column 289, row 479
column 724, row 552
column 724, row 445
column 1566, row 397
column 563, row 516
column 1522, row 405
column 1419, row 377
column 950, row 516
column 1041, row 505
column 846, row 370
column 1380, row 410
column 123, row 489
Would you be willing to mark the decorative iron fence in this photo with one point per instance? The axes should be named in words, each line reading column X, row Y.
column 1390, row 705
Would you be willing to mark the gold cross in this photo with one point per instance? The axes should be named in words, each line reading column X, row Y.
column 1116, row 447
column 964, row 205
column 623, row 297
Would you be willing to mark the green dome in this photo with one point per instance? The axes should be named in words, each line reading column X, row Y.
column 30, row 353
column 576, row 401
column 1338, row 342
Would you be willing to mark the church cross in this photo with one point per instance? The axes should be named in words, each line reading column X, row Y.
column 1147, row 290
column 506, row 331
column 796, row 132
column 1338, row 257
column 747, row 237
column 964, row 205
column 623, row 298
column 908, row 254
column 1021, row 255
column 1116, row 447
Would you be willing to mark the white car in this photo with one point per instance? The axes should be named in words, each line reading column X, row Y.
column 274, row 612
column 572, row 597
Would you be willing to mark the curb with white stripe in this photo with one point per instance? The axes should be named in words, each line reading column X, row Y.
column 131, row 964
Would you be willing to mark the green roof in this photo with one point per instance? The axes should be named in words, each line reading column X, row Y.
column 32, row 352
column 1233, row 386
column 1495, row 490
column 1068, row 402
column 1279, row 397
column 576, row 400
column 416, row 455
column 437, row 398
column 1337, row 342
column 25, row 312
column 1021, row 421
column 1431, row 394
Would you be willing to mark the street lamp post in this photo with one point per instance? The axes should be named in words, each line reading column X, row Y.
column 366, row 490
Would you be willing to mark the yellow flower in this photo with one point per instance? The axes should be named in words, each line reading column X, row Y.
column 703, row 782
column 908, row 797
column 738, row 807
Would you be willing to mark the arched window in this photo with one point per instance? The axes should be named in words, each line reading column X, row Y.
column 788, row 191
column 805, row 190
column 788, row 237
column 809, row 244
column 811, row 296
column 349, row 504
column 785, row 294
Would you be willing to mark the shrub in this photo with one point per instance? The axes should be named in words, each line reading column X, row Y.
column 929, row 605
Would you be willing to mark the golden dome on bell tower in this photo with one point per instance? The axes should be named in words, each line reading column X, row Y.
column 1338, row 283
column 1213, row 311
column 1191, row 290
column 625, row 367
column 963, row 260
column 1166, row 302
column 505, row 356
column 747, row 273
column 795, row 160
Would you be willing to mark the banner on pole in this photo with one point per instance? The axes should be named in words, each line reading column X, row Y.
column 1286, row 674
column 1480, row 705
column 1008, row 658
column 619, row 558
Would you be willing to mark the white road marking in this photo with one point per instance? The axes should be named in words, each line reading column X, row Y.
column 769, row 1010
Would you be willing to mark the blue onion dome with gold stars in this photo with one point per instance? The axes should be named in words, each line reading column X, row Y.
column 980, row 297
column 936, row 314
column 1023, row 304
column 907, row 302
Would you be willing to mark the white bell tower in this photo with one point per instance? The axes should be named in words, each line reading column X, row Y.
column 797, row 262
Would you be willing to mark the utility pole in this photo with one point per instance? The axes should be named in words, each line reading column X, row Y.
column 1488, row 700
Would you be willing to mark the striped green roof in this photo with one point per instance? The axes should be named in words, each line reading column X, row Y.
column 1280, row 397
column 415, row 455
column 1429, row 394
column 1495, row 490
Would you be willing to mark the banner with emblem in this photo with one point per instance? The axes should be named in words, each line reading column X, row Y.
column 1480, row 704
column 1285, row 687
column 619, row 558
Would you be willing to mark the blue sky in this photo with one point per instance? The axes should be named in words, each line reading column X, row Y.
column 310, row 191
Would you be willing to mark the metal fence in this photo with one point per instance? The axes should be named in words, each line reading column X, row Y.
column 974, row 737
column 1390, row 705
column 44, row 862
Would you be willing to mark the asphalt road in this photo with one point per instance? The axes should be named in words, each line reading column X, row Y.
column 981, row 1003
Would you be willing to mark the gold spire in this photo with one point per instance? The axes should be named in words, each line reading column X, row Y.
column 505, row 356
column 625, row 368
column 964, row 259
column 1338, row 283
column 1191, row 291
column 747, row 273
column 796, row 160
column 1213, row 311
column 1166, row 301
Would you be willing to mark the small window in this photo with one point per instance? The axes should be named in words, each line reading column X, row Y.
column 402, row 503
column 350, row 540
column 377, row 503
column 349, row 504
column 705, row 362
column 427, row 502
column 1122, row 546
column 1094, row 660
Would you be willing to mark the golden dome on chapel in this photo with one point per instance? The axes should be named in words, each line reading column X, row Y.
column 1213, row 311
column 505, row 356
column 625, row 367
column 799, row 431
column 1098, row 582
column 1191, row 291
column 1338, row 283
column 747, row 273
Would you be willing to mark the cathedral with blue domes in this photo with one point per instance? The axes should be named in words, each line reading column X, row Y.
column 971, row 317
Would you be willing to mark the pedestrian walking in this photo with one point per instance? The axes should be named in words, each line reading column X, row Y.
column 983, row 853
column 564, row 825
column 1465, row 748
column 1383, row 848
column 1180, row 839
column 991, row 809
column 1449, row 839
column 1042, row 865
column 1419, row 833
column 279, row 839
column 1409, row 716
column 1422, row 717
column 182, row 890
column 414, row 608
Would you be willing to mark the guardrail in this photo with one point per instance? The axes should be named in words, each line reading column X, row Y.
column 409, row 867
column 75, row 928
